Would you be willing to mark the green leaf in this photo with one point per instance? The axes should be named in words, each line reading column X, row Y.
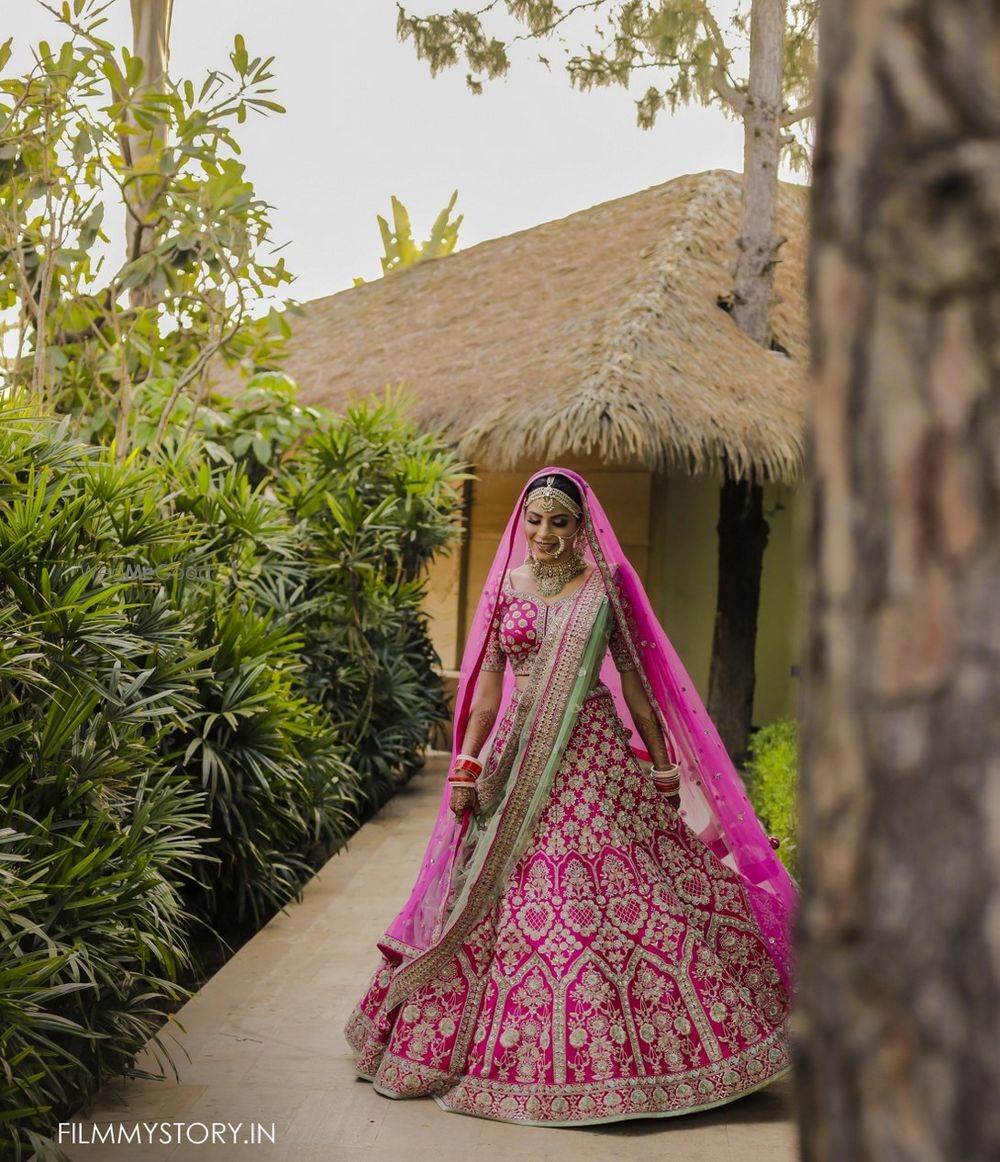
column 239, row 56
column 82, row 145
column 273, row 106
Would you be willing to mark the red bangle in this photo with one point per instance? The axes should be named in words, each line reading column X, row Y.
column 471, row 766
column 669, row 785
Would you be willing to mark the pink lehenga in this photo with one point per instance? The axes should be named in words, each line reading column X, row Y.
column 583, row 952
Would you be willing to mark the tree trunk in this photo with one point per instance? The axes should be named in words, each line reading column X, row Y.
column 741, row 542
column 899, row 974
column 150, row 42
column 743, row 534
column 753, row 281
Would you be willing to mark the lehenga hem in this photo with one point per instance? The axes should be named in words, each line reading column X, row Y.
column 636, row 1097
column 784, row 1072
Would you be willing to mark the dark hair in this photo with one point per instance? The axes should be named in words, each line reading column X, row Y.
column 563, row 483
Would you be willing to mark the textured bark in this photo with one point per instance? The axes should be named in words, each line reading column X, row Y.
column 741, row 546
column 753, row 280
column 743, row 534
column 899, row 1021
column 150, row 42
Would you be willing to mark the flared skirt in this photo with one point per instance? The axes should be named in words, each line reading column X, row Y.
column 621, row 973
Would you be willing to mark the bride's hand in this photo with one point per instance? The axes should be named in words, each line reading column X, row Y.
column 462, row 799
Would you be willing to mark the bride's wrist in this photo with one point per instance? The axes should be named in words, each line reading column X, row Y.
column 465, row 770
column 667, row 779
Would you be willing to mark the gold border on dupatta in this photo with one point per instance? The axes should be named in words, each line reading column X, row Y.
column 614, row 597
column 556, row 677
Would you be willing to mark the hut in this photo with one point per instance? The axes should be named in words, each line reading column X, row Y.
column 601, row 341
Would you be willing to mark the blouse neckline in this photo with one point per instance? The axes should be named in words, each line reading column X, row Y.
column 513, row 590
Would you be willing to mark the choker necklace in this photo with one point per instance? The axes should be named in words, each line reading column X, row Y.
column 550, row 579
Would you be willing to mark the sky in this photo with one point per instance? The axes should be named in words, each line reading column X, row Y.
column 366, row 120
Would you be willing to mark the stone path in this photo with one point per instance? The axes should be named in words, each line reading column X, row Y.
column 261, row 1044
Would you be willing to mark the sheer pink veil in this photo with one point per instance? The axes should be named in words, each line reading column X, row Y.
column 713, row 799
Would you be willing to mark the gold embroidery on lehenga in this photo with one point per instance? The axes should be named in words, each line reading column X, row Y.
column 497, row 1013
column 580, row 617
column 565, row 1103
column 629, row 1018
column 468, row 1024
column 519, row 1025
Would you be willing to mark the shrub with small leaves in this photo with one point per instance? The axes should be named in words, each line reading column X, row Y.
column 773, row 772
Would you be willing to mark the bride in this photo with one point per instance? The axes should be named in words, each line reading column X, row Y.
column 587, row 940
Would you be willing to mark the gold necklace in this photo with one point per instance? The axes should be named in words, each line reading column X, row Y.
column 550, row 579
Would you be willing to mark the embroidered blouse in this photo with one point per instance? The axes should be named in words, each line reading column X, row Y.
column 519, row 627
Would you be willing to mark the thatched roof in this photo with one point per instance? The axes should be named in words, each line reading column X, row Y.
column 598, row 335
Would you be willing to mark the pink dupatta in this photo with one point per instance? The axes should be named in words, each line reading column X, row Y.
column 714, row 802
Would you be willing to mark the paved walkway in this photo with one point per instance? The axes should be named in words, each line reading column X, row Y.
column 262, row 1044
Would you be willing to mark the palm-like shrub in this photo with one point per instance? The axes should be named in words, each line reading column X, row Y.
column 374, row 501
column 277, row 791
column 211, row 649
column 96, row 832
column 156, row 748
column 201, row 681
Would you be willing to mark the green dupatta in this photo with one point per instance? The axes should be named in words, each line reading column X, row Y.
column 517, row 778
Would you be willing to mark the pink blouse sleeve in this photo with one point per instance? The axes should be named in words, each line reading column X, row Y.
column 617, row 645
column 495, row 659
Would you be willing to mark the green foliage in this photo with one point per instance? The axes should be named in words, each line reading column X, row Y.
column 265, row 426
column 82, row 123
column 212, row 656
column 278, row 791
column 681, row 43
column 98, row 832
column 400, row 250
column 376, row 501
column 204, row 681
column 773, row 772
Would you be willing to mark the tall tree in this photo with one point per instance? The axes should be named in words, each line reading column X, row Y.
column 151, row 45
column 900, row 858
column 682, row 44
column 76, row 335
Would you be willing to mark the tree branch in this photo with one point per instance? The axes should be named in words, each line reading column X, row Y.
column 538, row 33
column 728, row 93
column 801, row 113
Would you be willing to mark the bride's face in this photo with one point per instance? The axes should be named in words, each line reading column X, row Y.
column 549, row 534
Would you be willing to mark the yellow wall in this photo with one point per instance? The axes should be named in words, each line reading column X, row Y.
column 442, row 606
column 683, row 567
column 683, row 575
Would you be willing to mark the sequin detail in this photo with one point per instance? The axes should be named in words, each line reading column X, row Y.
column 620, row 972
column 520, row 624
